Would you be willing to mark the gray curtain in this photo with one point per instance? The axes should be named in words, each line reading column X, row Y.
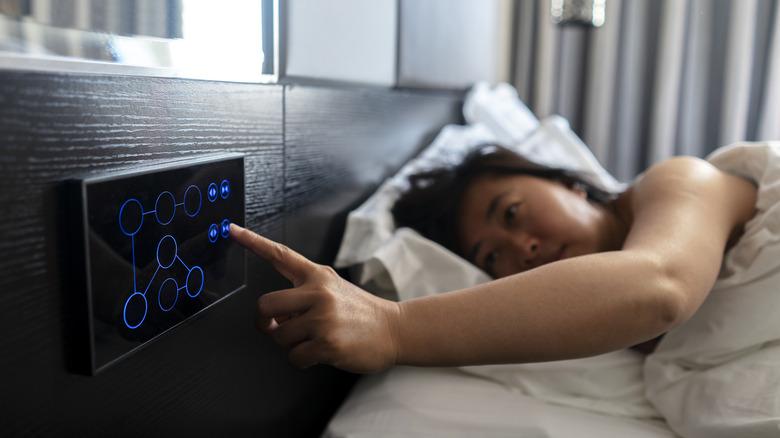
column 659, row 78
column 153, row 18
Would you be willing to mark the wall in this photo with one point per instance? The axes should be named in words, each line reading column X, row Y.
column 312, row 153
column 434, row 44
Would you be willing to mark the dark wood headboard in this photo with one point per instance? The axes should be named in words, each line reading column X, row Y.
column 312, row 154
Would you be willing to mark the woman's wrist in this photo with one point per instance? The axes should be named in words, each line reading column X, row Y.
column 393, row 318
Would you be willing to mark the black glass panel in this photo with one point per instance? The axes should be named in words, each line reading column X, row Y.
column 158, row 249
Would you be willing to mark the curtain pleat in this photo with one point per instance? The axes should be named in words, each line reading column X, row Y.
column 769, row 115
column 739, row 63
column 600, row 92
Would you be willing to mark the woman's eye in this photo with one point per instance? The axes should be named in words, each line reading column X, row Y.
column 510, row 213
column 490, row 260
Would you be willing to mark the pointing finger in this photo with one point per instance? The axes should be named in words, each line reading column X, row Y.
column 288, row 262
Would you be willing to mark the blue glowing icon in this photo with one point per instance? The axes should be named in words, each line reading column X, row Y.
column 212, row 192
column 224, row 189
column 226, row 228
column 213, row 233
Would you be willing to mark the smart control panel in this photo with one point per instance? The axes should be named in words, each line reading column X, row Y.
column 157, row 249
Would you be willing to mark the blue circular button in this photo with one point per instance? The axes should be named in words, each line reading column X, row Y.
column 213, row 233
column 194, row 281
column 192, row 200
column 212, row 192
column 167, row 250
column 226, row 228
column 165, row 208
column 224, row 189
column 168, row 295
column 136, row 307
column 131, row 217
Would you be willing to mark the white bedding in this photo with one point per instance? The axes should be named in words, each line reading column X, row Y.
column 435, row 402
column 708, row 378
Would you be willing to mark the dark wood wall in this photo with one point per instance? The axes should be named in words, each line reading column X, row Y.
column 312, row 154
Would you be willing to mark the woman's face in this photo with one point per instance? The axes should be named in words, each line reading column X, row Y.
column 512, row 223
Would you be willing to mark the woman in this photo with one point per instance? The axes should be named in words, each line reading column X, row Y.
column 607, row 273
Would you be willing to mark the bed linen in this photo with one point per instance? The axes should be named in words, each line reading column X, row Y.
column 440, row 402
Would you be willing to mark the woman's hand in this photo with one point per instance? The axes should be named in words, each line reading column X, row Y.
column 323, row 319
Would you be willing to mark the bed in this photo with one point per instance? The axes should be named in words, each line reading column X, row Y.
column 716, row 376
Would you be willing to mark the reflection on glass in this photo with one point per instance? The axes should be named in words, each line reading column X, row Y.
column 226, row 40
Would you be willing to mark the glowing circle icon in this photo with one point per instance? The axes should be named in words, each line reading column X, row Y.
column 224, row 189
column 168, row 295
column 135, row 310
column 165, row 208
column 225, row 228
column 194, row 281
column 166, row 251
column 131, row 217
column 192, row 201
column 212, row 192
column 213, row 233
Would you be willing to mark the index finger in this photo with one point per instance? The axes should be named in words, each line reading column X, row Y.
column 288, row 262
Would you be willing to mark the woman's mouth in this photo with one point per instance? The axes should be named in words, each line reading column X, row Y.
column 561, row 254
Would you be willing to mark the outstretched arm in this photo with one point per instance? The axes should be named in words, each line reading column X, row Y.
column 684, row 213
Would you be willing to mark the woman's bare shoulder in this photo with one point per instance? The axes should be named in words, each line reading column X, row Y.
column 693, row 181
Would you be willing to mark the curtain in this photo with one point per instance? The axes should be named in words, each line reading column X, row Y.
column 43, row 26
column 659, row 78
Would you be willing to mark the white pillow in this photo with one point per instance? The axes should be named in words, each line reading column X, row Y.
column 400, row 263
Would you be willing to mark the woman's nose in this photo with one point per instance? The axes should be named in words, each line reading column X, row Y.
column 528, row 249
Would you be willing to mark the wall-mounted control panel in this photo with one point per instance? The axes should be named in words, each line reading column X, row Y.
column 157, row 249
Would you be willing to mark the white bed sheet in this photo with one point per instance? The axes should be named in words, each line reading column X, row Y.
column 445, row 402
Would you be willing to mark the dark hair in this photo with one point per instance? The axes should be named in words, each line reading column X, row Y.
column 430, row 204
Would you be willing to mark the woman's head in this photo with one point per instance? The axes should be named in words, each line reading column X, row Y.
column 503, row 212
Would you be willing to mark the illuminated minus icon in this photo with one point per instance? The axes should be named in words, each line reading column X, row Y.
column 213, row 233
column 212, row 192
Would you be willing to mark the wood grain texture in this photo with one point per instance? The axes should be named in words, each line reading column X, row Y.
column 310, row 155
column 213, row 374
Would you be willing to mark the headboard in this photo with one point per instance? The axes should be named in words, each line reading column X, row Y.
column 311, row 155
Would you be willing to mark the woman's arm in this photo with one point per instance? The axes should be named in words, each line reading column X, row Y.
column 684, row 213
